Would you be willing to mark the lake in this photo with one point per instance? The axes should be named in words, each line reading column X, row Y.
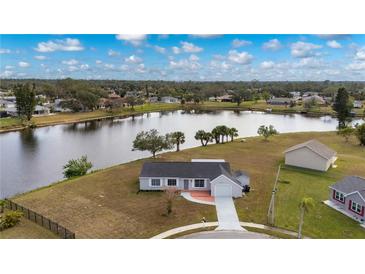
column 34, row 158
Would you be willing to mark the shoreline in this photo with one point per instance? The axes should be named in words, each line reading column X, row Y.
column 173, row 108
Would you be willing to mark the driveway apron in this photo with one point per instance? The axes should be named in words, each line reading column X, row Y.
column 227, row 214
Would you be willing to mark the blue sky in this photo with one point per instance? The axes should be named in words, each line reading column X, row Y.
column 184, row 57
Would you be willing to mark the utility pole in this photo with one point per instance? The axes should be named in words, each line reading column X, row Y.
column 271, row 212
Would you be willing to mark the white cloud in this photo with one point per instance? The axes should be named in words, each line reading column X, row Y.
column 40, row 57
column 334, row 44
column 194, row 58
column 206, row 35
column 68, row 44
column 236, row 43
column 4, row 51
column 302, row 49
column 242, row 58
column 84, row 67
column 70, row 62
column 267, row 65
column 159, row 49
column 220, row 65
column 6, row 74
column 109, row 66
column 356, row 66
column 98, row 62
column 113, row 53
column 309, row 62
column 133, row 59
column 190, row 47
column 23, row 64
column 184, row 64
column 9, row 67
column 334, row 36
column 134, row 39
column 141, row 68
column 176, row 50
column 73, row 68
column 360, row 54
column 273, row 44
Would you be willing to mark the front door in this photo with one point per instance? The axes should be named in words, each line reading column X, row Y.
column 186, row 184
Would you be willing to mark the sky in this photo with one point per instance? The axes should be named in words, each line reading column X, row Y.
column 230, row 57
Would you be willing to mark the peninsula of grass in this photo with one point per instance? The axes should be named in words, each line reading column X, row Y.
column 106, row 204
column 11, row 123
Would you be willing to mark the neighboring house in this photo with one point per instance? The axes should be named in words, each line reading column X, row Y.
column 348, row 196
column 357, row 104
column 6, row 104
column 169, row 99
column 311, row 154
column 310, row 93
column 281, row 101
column 153, row 99
column 57, row 107
column 317, row 99
column 225, row 98
column 198, row 175
column 41, row 110
column 295, row 94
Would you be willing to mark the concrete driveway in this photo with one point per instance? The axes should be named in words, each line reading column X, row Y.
column 227, row 214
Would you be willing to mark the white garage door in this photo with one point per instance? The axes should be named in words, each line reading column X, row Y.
column 223, row 190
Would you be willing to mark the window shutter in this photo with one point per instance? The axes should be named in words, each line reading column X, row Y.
column 334, row 194
column 350, row 204
column 362, row 211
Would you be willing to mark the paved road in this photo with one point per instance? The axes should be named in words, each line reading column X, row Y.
column 227, row 214
column 226, row 235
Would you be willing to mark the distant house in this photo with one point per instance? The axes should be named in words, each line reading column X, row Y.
column 57, row 106
column 169, row 100
column 357, row 104
column 41, row 110
column 153, row 99
column 281, row 101
column 310, row 93
column 317, row 99
column 311, row 154
column 348, row 197
column 198, row 175
column 295, row 94
column 6, row 103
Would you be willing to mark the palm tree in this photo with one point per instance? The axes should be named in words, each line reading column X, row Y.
column 177, row 138
column 216, row 134
column 199, row 135
column 305, row 205
column 233, row 132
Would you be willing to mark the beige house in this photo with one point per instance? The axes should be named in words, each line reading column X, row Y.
column 312, row 155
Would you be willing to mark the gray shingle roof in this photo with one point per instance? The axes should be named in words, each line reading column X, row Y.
column 350, row 184
column 317, row 147
column 209, row 170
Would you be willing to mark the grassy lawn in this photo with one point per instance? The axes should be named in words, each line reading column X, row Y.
column 105, row 204
column 27, row 230
column 59, row 118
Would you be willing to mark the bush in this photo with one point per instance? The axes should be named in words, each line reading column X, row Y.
column 2, row 206
column 360, row 134
column 10, row 219
column 78, row 167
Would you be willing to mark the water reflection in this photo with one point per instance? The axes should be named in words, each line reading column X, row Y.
column 28, row 139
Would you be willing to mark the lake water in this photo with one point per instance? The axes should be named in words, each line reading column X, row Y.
column 34, row 158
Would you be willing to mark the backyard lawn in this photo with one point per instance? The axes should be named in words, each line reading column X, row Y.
column 27, row 230
column 105, row 204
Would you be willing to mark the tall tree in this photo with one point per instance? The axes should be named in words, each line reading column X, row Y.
column 233, row 132
column 151, row 141
column 204, row 137
column 25, row 100
column 177, row 138
column 305, row 205
column 360, row 134
column 342, row 106
column 266, row 132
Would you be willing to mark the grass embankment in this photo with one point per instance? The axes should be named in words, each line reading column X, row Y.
column 105, row 204
column 12, row 123
column 27, row 230
column 8, row 124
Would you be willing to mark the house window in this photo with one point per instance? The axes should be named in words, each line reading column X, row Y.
column 155, row 182
column 171, row 182
column 199, row 183
column 355, row 207
column 339, row 196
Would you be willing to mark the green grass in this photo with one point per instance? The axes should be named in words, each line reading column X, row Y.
column 105, row 204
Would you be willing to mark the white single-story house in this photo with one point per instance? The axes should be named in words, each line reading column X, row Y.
column 348, row 197
column 198, row 175
column 357, row 104
column 169, row 100
column 312, row 155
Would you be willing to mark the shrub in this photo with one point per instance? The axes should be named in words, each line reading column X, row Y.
column 2, row 206
column 360, row 134
column 78, row 167
column 10, row 219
